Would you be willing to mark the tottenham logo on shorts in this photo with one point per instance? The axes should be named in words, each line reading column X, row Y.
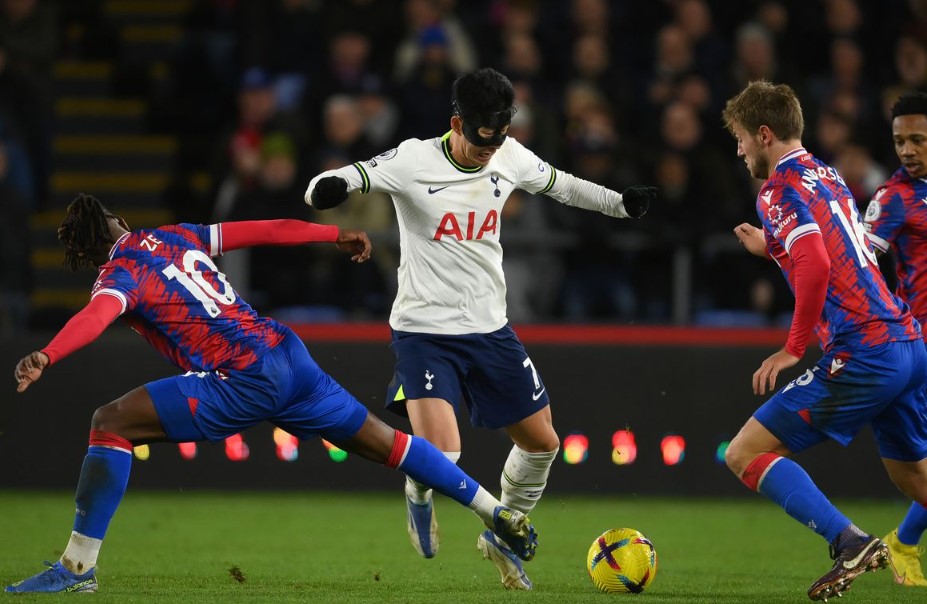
column 429, row 376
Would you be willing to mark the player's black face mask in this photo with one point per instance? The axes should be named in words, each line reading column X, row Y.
column 496, row 121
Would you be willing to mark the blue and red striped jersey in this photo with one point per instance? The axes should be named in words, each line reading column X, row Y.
column 803, row 195
column 177, row 299
column 897, row 219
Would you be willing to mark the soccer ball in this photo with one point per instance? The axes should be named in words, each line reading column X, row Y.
column 622, row 561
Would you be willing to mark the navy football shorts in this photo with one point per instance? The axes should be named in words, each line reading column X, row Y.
column 491, row 373
column 883, row 386
column 284, row 387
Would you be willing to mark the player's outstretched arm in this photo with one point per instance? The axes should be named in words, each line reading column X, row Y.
column 578, row 192
column 82, row 329
column 250, row 233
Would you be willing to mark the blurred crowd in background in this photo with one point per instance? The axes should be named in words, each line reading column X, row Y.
column 260, row 95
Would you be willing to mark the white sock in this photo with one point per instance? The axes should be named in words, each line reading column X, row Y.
column 419, row 493
column 81, row 553
column 483, row 505
column 524, row 477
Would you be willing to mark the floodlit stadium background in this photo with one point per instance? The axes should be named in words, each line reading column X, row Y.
column 210, row 110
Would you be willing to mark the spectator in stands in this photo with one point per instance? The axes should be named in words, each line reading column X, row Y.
column 755, row 58
column 379, row 113
column 423, row 94
column 696, row 20
column 379, row 21
column 395, row 59
column 421, row 19
column 597, row 282
column 592, row 62
column 831, row 133
column 343, row 128
column 861, row 173
column 674, row 58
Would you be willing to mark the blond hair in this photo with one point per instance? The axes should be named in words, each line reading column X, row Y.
column 763, row 103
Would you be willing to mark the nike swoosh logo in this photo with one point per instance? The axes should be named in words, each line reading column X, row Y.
column 537, row 395
column 432, row 190
column 851, row 564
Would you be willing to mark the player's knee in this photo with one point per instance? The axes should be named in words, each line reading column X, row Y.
column 737, row 458
column 914, row 487
column 543, row 442
column 105, row 419
column 542, row 446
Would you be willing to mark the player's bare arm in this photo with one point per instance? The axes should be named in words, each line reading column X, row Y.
column 356, row 243
column 764, row 378
column 29, row 369
column 83, row 328
column 752, row 239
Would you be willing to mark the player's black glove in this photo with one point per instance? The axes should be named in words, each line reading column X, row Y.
column 329, row 192
column 637, row 200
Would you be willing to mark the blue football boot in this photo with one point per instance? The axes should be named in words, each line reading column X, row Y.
column 515, row 529
column 56, row 578
column 512, row 540
column 423, row 527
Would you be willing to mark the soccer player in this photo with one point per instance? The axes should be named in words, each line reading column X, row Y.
column 241, row 369
column 896, row 218
column 452, row 341
column 874, row 368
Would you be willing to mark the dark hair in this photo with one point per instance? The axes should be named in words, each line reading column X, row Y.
column 762, row 103
column 84, row 229
column 482, row 92
column 910, row 103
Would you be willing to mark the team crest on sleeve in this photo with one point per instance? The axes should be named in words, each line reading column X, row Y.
column 774, row 214
column 386, row 155
column 873, row 211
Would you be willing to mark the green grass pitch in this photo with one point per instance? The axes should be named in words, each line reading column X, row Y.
column 352, row 547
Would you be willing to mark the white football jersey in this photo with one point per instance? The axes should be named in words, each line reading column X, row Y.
column 450, row 269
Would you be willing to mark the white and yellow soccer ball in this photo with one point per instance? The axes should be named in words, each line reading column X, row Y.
column 622, row 561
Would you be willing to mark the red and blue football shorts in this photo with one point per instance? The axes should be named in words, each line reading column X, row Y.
column 490, row 372
column 284, row 387
column 883, row 386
